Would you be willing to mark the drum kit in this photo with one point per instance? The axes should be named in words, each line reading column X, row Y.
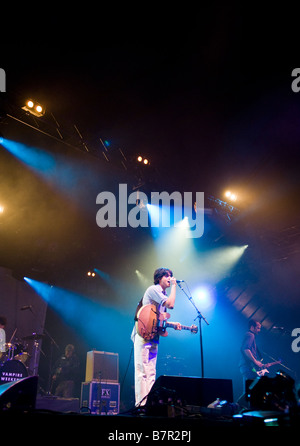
column 14, row 362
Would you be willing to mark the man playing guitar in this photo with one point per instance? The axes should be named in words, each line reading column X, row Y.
column 249, row 352
column 145, row 350
column 250, row 366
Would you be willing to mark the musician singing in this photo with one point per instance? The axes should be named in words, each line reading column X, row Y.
column 145, row 351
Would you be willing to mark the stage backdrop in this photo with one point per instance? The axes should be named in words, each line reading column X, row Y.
column 25, row 312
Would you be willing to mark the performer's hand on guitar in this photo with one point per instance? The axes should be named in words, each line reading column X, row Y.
column 259, row 364
column 177, row 326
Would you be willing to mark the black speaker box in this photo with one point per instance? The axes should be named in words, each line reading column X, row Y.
column 19, row 395
column 192, row 391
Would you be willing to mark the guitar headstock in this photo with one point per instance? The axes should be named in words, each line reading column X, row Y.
column 194, row 329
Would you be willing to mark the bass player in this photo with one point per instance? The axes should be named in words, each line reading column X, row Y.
column 249, row 362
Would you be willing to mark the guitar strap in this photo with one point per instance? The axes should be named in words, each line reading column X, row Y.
column 139, row 306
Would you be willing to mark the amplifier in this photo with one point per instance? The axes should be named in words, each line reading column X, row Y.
column 102, row 366
column 101, row 397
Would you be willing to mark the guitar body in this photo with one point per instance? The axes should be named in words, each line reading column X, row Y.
column 152, row 323
column 264, row 370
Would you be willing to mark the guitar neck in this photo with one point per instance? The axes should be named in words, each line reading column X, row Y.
column 269, row 364
column 172, row 324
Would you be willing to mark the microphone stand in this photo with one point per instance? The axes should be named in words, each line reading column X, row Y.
column 199, row 317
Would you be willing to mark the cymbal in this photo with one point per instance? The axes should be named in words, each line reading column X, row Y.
column 33, row 336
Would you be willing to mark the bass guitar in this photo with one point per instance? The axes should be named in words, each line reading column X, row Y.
column 264, row 369
column 151, row 323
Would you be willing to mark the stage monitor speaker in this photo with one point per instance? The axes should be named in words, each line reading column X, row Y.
column 277, row 393
column 19, row 395
column 192, row 391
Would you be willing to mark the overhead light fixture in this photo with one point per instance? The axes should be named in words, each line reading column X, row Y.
column 34, row 108
column 142, row 160
column 230, row 195
column 91, row 274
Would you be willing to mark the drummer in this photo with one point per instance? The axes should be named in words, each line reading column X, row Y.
column 3, row 322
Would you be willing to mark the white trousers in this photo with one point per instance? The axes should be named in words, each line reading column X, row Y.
column 145, row 356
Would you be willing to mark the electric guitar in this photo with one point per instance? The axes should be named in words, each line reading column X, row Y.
column 152, row 323
column 264, row 369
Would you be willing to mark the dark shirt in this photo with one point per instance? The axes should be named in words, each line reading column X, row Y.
column 248, row 343
column 67, row 368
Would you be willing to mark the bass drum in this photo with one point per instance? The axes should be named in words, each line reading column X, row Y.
column 12, row 370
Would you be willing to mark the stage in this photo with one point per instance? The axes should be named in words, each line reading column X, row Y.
column 161, row 419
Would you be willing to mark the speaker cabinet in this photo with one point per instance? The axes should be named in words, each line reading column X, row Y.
column 101, row 397
column 102, row 366
column 192, row 390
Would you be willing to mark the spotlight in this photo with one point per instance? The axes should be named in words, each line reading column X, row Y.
column 145, row 161
column 34, row 108
column 205, row 296
column 1, row 209
column 230, row 195
column 91, row 274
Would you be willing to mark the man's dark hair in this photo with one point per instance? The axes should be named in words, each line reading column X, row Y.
column 161, row 272
column 3, row 320
column 252, row 323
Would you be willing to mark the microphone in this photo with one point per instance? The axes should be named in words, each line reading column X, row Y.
column 26, row 307
column 179, row 281
column 277, row 328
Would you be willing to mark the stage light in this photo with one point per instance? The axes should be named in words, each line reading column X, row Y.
column 230, row 195
column 1, row 209
column 91, row 274
column 205, row 296
column 183, row 224
column 34, row 108
column 145, row 161
column 142, row 278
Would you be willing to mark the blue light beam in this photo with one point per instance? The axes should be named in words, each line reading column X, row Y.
column 92, row 320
